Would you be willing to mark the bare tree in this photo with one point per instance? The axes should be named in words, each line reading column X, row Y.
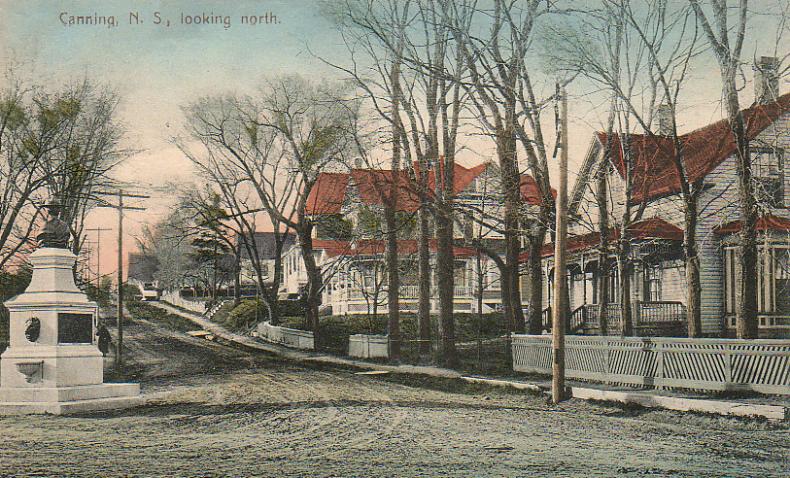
column 57, row 147
column 621, row 62
column 501, row 87
column 413, row 82
column 279, row 142
column 316, row 129
column 86, row 151
column 236, row 164
column 28, row 133
column 724, row 25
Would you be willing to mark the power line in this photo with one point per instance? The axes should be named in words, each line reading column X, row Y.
column 120, row 207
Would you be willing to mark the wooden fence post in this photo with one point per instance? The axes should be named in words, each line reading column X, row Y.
column 727, row 364
column 659, row 350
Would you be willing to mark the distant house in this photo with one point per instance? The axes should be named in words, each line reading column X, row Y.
column 265, row 245
column 658, row 281
column 141, row 270
column 350, row 248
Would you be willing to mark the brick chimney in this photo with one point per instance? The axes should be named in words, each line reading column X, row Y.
column 766, row 80
column 664, row 113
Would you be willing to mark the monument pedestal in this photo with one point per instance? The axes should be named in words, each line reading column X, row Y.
column 52, row 364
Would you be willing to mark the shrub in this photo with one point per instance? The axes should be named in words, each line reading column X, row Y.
column 131, row 292
column 246, row 314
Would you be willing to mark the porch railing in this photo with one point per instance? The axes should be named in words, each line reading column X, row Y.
column 407, row 292
column 659, row 312
column 649, row 318
column 574, row 324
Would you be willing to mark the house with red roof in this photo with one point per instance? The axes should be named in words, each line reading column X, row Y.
column 349, row 244
column 658, row 280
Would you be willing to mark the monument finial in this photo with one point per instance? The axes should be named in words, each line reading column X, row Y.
column 55, row 232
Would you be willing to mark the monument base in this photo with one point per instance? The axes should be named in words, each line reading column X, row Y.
column 65, row 400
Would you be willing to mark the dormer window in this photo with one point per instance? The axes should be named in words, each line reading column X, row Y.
column 767, row 175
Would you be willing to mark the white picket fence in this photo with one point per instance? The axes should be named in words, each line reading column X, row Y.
column 174, row 298
column 299, row 339
column 698, row 364
column 368, row 346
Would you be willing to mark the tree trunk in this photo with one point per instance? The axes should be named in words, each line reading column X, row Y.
column 535, row 285
column 507, row 306
column 519, row 323
column 511, row 192
column 237, row 277
column 424, row 277
column 603, row 244
column 445, row 282
column 746, row 315
column 624, row 271
column 314, row 282
column 393, row 278
column 393, row 286
column 694, row 287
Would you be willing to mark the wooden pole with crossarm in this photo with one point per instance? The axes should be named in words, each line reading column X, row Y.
column 559, row 306
column 120, row 207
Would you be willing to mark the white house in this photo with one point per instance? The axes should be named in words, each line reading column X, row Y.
column 266, row 250
column 658, row 280
column 353, row 266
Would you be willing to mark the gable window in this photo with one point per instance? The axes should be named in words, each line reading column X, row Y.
column 767, row 174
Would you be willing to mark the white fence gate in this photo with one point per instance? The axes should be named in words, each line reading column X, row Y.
column 700, row 364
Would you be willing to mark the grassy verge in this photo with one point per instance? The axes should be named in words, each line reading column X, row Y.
column 148, row 312
column 480, row 343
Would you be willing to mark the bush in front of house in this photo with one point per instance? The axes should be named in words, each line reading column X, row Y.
column 245, row 315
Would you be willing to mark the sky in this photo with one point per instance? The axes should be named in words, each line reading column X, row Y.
column 156, row 68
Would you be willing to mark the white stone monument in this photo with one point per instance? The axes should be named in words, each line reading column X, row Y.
column 52, row 364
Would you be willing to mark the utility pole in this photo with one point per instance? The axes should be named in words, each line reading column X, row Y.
column 559, row 306
column 98, row 231
column 120, row 207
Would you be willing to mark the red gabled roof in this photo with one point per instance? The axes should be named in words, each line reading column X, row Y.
column 374, row 187
column 530, row 191
column 768, row 222
column 654, row 173
column 328, row 194
column 462, row 176
column 653, row 228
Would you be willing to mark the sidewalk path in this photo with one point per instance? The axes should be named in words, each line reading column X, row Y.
column 302, row 356
column 585, row 391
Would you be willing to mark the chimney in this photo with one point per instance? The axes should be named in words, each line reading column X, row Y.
column 664, row 120
column 766, row 80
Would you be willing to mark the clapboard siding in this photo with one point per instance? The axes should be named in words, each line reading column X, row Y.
column 718, row 205
column 673, row 284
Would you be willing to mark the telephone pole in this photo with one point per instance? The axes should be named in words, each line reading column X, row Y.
column 98, row 231
column 120, row 207
column 559, row 306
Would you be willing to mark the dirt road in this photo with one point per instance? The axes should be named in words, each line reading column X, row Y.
column 229, row 413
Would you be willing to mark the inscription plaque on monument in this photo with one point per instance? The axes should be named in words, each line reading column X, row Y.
column 75, row 328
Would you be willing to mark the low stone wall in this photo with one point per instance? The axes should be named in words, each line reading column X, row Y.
column 175, row 298
column 299, row 339
column 697, row 364
column 368, row 346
